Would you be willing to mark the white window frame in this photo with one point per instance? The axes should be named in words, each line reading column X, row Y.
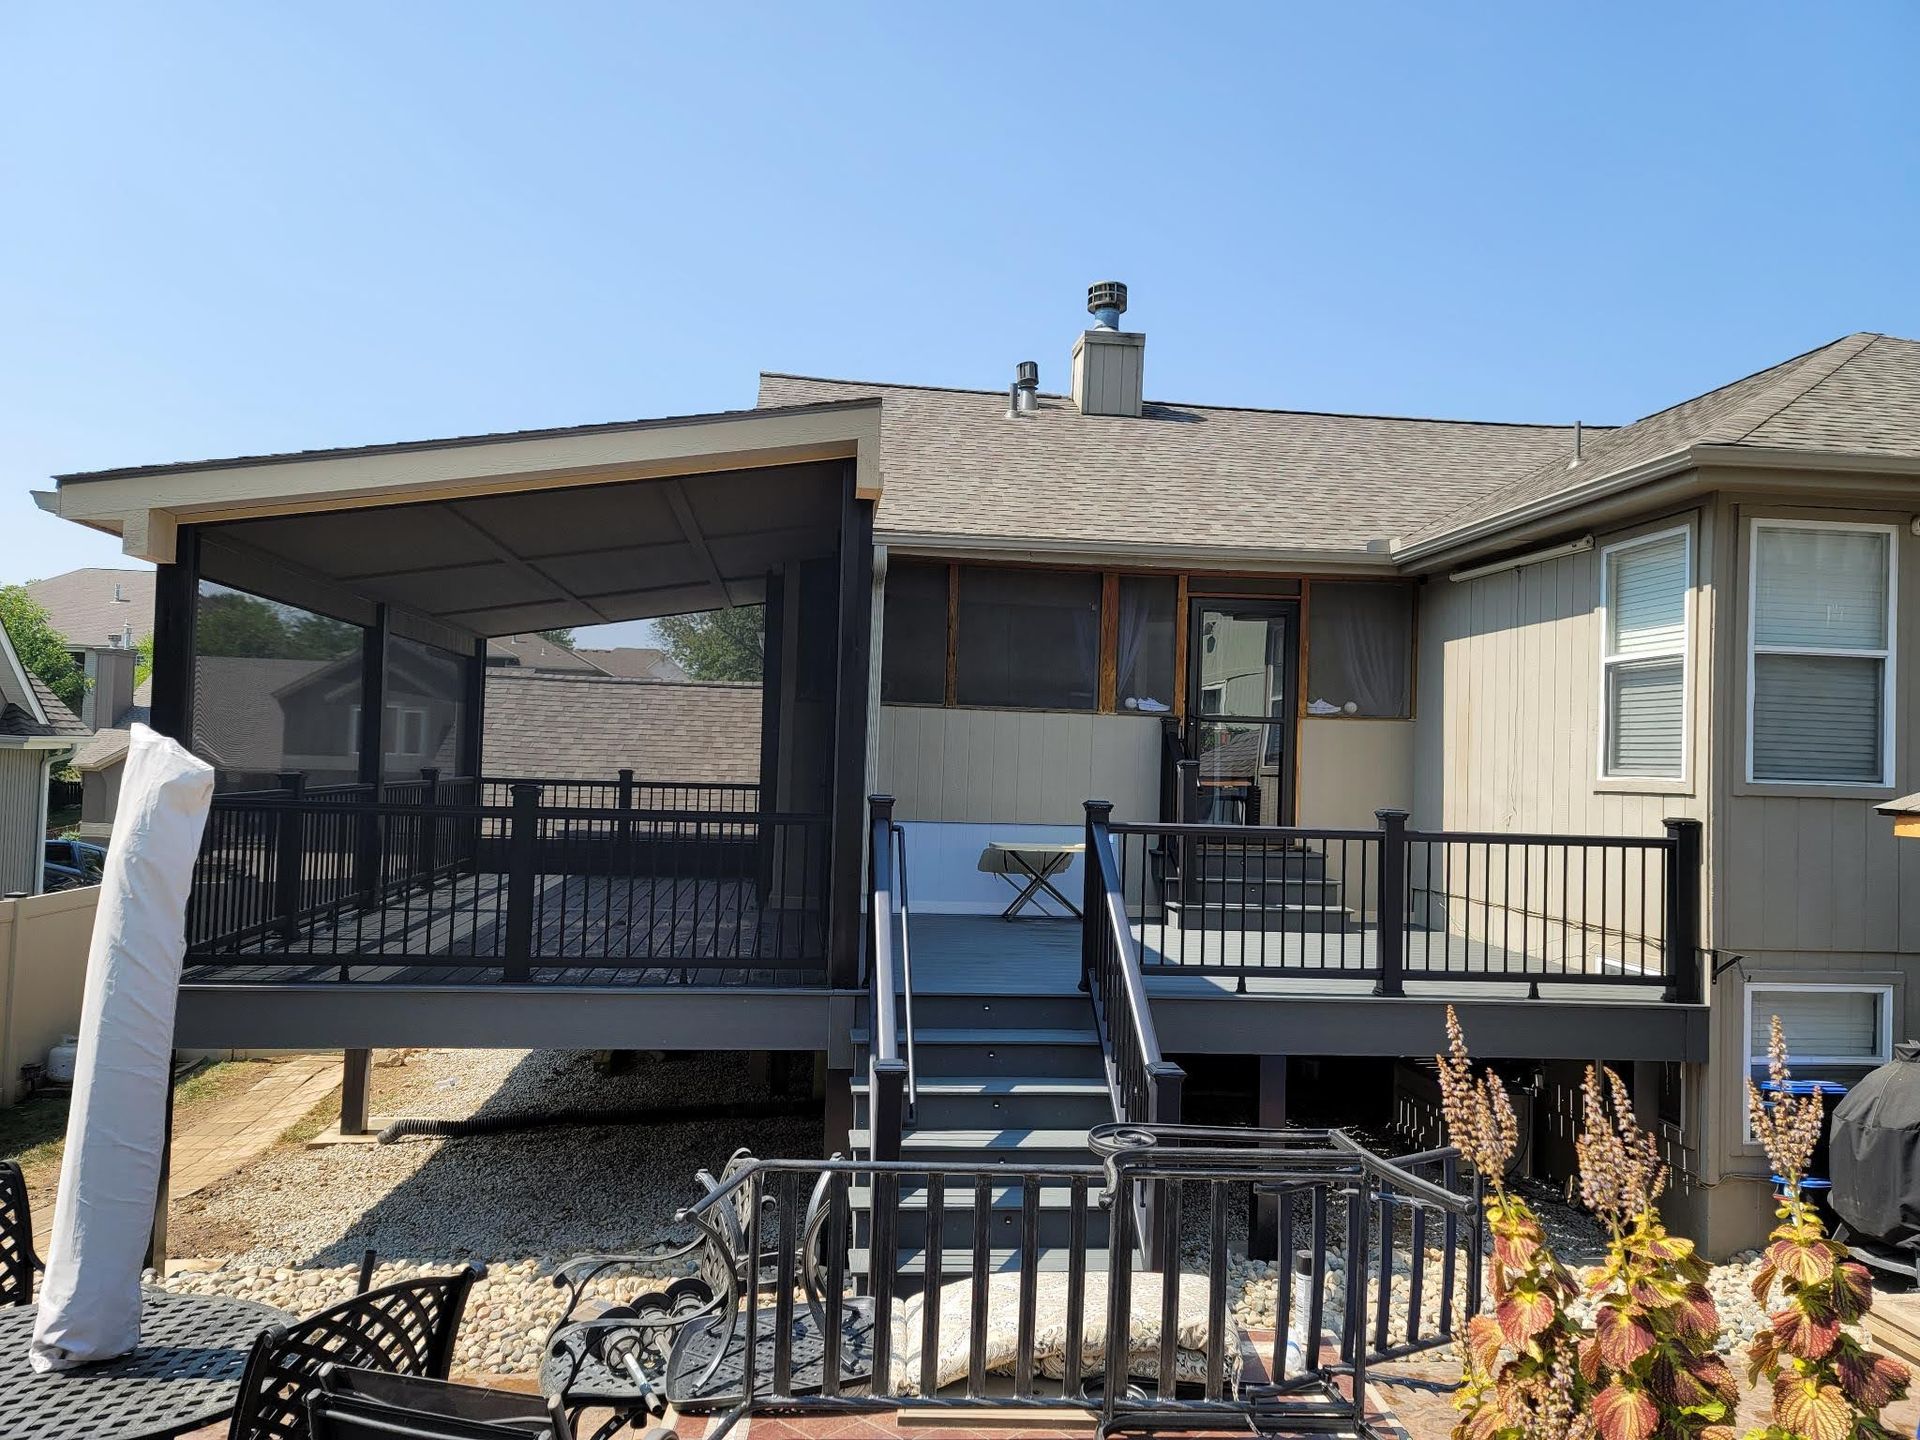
column 1748, row 1060
column 1884, row 655
column 1608, row 663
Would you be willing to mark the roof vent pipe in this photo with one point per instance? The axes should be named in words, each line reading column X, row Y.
column 1576, row 446
column 1026, row 387
column 1107, row 302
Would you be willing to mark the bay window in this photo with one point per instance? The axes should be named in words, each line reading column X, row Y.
column 1645, row 585
column 1820, row 632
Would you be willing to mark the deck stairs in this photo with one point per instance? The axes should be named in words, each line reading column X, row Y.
column 1004, row 1079
column 1258, row 887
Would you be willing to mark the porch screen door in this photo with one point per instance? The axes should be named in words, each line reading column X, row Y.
column 1244, row 661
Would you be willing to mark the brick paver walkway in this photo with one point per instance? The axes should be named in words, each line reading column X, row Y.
column 230, row 1132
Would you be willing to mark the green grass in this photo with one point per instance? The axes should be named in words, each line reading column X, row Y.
column 33, row 1131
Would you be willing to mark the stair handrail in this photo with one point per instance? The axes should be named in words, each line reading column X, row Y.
column 1144, row 1084
column 906, row 966
column 886, row 1072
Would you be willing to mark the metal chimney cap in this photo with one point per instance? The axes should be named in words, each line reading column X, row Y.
column 1107, row 302
column 1027, row 374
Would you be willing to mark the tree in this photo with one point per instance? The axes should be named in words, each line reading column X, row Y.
column 718, row 644
column 563, row 637
column 41, row 648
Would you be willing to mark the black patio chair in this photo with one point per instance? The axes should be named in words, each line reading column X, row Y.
column 407, row 1328
column 17, row 1260
column 684, row 1344
column 350, row 1404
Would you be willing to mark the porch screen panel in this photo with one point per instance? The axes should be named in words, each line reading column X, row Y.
column 913, row 641
column 276, row 690
column 1028, row 639
column 1360, row 650
column 426, row 710
column 1145, row 633
column 1822, row 635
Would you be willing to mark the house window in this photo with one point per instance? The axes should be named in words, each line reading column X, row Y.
column 1360, row 650
column 1834, row 1032
column 1644, row 587
column 1820, row 653
column 1028, row 639
column 406, row 731
column 1144, row 635
column 913, row 642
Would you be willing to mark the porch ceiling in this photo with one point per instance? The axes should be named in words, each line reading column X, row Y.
column 505, row 564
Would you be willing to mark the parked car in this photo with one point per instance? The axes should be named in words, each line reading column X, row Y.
column 69, row 864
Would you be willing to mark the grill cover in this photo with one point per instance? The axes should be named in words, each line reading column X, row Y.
column 1874, row 1150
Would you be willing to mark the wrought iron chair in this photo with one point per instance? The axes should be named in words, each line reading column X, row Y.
column 407, row 1328
column 17, row 1260
column 685, row 1344
column 349, row 1404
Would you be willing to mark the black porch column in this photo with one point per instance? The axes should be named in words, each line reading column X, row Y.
column 850, row 720
column 373, row 697
column 773, row 633
column 472, row 739
column 176, row 589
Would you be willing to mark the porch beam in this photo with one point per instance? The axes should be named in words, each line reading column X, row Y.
column 850, row 721
column 696, row 538
column 526, row 569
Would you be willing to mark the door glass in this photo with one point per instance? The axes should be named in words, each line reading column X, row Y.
column 1244, row 712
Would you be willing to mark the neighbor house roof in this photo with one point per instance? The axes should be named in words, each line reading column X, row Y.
column 80, row 604
column 593, row 726
column 1860, row 394
column 536, row 652
column 29, row 710
column 1179, row 480
column 635, row 662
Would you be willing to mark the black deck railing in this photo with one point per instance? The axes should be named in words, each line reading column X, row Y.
column 624, row 792
column 424, row 876
column 1383, row 1259
column 887, row 1069
column 1392, row 905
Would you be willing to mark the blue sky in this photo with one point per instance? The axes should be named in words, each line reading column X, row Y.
column 228, row 229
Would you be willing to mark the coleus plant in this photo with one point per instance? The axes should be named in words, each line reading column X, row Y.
column 1651, row 1356
column 1826, row 1385
column 1520, row 1376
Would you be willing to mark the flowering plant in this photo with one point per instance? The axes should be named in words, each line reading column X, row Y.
column 1651, row 1356
column 1826, row 1384
column 1520, row 1376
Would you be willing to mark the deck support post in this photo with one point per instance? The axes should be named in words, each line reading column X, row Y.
column 1390, row 905
column 523, row 838
column 356, row 1081
column 850, row 721
column 1270, row 1113
column 1682, row 920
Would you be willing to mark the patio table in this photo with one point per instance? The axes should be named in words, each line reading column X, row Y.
column 185, row 1373
column 1029, row 867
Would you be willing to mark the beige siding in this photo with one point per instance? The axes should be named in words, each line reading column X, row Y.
column 1351, row 768
column 1509, row 699
column 1017, row 766
column 23, row 775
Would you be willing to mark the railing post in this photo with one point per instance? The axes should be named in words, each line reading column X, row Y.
column 1164, row 1079
column 1186, row 861
column 424, row 842
column 1682, row 920
column 289, row 857
column 1093, row 894
column 623, row 832
column 886, row 1102
column 523, row 841
column 1390, row 905
column 367, row 867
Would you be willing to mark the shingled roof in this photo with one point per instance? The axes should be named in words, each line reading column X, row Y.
column 1860, row 394
column 22, row 693
column 1181, row 480
column 590, row 727
column 80, row 603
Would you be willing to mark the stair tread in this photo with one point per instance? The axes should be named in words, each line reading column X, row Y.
column 984, row 1035
column 1000, row 1085
column 986, row 1140
column 960, row 1262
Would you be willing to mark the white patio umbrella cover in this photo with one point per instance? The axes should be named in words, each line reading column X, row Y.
column 110, row 1173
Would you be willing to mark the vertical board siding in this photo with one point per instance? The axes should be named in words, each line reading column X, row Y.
column 22, row 773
